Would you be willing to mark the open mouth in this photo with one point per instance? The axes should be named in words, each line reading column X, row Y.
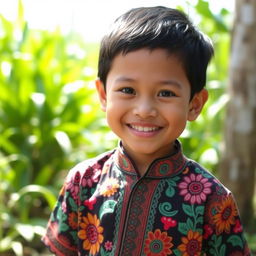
column 144, row 128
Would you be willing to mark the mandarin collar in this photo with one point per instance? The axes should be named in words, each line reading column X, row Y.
column 165, row 167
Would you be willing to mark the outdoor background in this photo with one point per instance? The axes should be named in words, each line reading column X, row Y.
column 50, row 117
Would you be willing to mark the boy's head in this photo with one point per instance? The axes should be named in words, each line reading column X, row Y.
column 153, row 28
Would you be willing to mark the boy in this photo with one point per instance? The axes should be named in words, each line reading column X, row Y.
column 145, row 197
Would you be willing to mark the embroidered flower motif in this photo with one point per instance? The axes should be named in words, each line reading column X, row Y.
column 90, row 202
column 192, row 244
column 90, row 176
column 91, row 233
column 73, row 185
column 168, row 222
column 108, row 246
column 225, row 217
column 194, row 188
column 73, row 220
column 163, row 167
column 207, row 231
column 109, row 187
column 238, row 227
column 158, row 243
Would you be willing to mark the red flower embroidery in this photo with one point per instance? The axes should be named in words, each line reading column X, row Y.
column 158, row 243
column 90, row 203
column 168, row 222
column 238, row 227
column 207, row 231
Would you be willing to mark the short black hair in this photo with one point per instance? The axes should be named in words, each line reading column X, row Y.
column 153, row 28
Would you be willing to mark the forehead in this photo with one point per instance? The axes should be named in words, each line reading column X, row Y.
column 147, row 65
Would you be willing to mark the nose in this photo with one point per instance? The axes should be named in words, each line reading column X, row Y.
column 145, row 108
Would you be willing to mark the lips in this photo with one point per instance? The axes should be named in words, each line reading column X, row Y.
column 144, row 128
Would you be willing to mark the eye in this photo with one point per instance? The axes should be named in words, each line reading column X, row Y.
column 166, row 93
column 128, row 90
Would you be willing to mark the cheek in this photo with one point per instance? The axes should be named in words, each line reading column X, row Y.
column 113, row 114
column 177, row 118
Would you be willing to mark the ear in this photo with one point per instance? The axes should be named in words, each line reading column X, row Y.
column 102, row 94
column 196, row 104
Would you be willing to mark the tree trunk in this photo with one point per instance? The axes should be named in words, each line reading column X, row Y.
column 238, row 164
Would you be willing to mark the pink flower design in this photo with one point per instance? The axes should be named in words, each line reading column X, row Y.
column 90, row 176
column 108, row 246
column 194, row 188
column 73, row 185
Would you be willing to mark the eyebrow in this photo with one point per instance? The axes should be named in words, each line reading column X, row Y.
column 124, row 79
column 161, row 82
column 171, row 82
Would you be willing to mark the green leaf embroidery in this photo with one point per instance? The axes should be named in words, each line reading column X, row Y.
column 63, row 227
column 223, row 250
column 170, row 191
column 199, row 210
column 182, row 227
column 72, row 204
column 190, row 225
column 188, row 210
column 200, row 219
column 235, row 241
column 177, row 252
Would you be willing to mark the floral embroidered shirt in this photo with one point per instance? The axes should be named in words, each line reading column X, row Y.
column 177, row 208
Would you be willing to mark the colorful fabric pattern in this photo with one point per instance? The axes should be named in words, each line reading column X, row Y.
column 177, row 208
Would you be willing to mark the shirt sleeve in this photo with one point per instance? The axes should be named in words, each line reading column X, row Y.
column 223, row 231
column 61, row 233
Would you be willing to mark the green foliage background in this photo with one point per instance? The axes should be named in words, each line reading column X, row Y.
column 50, row 119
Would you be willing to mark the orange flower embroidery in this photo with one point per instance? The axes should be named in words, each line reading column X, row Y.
column 192, row 244
column 158, row 243
column 73, row 220
column 91, row 233
column 109, row 187
column 225, row 217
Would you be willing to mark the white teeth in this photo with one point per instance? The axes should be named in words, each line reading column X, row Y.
column 144, row 129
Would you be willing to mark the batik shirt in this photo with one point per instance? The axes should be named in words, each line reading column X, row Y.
column 176, row 208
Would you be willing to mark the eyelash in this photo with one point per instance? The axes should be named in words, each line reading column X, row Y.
column 170, row 93
column 167, row 93
column 127, row 90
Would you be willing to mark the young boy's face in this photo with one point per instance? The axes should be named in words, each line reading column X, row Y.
column 147, row 102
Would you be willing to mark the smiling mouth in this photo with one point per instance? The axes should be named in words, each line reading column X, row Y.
column 144, row 128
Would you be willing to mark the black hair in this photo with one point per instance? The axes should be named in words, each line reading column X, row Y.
column 153, row 28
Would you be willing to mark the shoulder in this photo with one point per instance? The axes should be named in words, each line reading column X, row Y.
column 197, row 170
column 87, row 172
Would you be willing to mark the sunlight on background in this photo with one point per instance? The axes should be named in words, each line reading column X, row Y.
column 92, row 18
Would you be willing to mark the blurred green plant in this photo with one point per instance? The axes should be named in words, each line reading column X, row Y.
column 202, row 139
column 49, row 120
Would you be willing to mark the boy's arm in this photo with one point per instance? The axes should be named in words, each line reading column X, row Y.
column 223, row 231
column 61, row 232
